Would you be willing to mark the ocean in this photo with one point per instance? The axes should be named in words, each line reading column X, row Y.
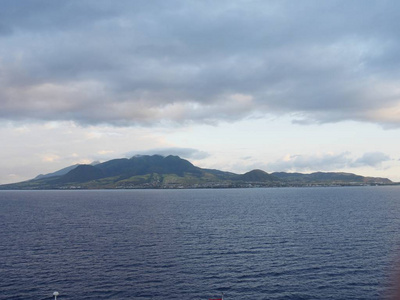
column 272, row 243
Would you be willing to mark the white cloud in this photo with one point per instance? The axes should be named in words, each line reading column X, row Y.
column 104, row 152
column 49, row 158
column 306, row 163
column 327, row 162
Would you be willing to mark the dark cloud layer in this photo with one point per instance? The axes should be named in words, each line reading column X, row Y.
column 145, row 62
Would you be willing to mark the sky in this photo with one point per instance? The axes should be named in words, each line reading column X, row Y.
column 295, row 86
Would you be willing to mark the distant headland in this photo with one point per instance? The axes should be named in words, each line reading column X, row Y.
column 173, row 172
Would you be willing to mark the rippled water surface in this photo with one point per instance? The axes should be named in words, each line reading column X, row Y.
column 286, row 243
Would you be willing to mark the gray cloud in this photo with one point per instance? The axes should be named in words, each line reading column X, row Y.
column 328, row 162
column 371, row 159
column 146, row 62
column 188, row 153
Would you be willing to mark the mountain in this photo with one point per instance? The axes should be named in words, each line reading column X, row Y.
column 62, row 171
column 142, row 165
column 57, row 173
column 329, row 177
column 257, row 176
column 81, row 174
column 156, row 171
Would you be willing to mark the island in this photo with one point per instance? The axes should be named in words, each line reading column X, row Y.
column 173, row 172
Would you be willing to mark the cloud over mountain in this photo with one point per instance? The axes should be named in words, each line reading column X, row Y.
column 182, row 152
column 141, row 62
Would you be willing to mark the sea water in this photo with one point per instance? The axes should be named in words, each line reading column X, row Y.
column 277, row 243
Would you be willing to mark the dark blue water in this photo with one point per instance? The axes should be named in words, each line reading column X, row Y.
column 287, row 243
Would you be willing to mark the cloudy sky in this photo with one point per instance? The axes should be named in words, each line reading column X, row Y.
column 235, row 85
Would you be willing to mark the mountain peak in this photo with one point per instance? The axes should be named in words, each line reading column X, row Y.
column 258, row 176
